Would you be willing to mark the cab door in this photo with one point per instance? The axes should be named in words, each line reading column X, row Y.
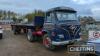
column 49, row 22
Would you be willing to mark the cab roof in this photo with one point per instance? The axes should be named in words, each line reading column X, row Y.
column 62, row 8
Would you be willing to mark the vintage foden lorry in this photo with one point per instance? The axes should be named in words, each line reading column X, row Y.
column 59, row 27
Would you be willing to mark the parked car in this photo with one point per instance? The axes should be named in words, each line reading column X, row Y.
column 96, row 44
column 1, row 32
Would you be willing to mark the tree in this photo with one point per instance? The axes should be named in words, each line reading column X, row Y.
column 14, row 18
column 31, row 16
column 86, row 20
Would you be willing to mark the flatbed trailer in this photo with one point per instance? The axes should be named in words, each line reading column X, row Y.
column 37, row 22
column 33, row 29
column 18, row 27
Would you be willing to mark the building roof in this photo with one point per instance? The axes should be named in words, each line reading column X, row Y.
column 6, row 21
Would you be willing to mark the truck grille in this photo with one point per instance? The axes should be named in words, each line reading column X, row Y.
column 71, row 33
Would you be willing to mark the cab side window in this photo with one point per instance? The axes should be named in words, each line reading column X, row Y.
column 49, row 18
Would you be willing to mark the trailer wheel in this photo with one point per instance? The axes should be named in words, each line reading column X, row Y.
column 1, row 36
column 30, row 37
column 16, row 31
column 47, row 42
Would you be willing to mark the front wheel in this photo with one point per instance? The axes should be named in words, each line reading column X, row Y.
column 30, row 37
column 47, row 42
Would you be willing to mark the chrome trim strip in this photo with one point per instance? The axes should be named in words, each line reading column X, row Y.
column 77, row 32
column 67, row 31
column 74, row 31
column 59, row 43
column 64, row 42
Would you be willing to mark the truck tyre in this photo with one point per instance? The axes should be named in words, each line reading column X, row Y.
column 15, row 32
column 30, row 37
column 1, row 36
column 47, row 42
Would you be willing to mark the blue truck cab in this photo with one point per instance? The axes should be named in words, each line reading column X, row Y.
column 61, row 27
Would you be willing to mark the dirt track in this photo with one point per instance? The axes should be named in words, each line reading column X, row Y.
column 17, row 45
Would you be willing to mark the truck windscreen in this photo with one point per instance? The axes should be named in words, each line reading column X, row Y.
column 63, row 16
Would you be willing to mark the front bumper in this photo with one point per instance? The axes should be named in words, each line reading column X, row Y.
column 64, row 42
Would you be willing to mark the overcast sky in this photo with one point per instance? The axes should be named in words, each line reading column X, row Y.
column 84, row 7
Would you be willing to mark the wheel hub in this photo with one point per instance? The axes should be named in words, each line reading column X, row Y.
column 46, row 42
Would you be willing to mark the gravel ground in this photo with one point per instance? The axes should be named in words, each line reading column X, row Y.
column 17, row 45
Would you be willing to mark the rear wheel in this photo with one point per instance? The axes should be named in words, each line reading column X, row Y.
column 30, row 37
column 47, row 42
